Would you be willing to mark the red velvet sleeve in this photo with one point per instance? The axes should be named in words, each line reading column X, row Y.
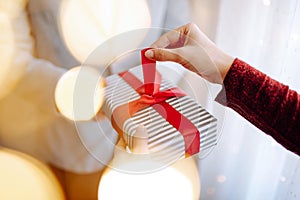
column 266, row 103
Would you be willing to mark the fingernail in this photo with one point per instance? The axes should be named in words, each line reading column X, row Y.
column 149, row 54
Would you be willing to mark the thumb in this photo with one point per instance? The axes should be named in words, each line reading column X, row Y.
column 161, row 54
column 140, row 141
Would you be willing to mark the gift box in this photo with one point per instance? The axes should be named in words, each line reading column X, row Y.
column 177, row 125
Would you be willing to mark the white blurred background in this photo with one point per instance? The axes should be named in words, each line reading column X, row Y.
column 247, row 164
column 39, row 42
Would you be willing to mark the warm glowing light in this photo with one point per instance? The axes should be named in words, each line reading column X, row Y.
column 86, row 24
column 267, row 2
column 295, row 37
column 179, row 181
column 211, row 190
column 282, row 178
column 221, row 178
column 165, row 184
column 79, row 93
column 273, row 144
column 23, row 177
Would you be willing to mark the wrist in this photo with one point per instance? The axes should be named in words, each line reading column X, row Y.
column 223, row 62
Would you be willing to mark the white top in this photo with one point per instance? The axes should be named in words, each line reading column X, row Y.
column 29, row 121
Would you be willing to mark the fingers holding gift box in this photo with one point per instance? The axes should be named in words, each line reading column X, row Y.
column 177, row 125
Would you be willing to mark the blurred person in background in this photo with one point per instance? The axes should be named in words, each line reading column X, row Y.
column 34, row 55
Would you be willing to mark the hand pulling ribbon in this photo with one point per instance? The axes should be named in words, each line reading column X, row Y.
column 150, row 95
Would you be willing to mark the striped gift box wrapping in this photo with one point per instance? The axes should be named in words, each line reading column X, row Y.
column 164, row 139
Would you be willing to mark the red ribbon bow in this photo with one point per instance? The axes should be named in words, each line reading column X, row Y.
column 150, row 95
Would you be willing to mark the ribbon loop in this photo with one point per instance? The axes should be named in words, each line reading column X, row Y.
column 150, row 95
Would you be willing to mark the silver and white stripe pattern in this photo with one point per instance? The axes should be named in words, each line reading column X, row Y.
column 164, row 139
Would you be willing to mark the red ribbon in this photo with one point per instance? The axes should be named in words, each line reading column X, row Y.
column 150, row 95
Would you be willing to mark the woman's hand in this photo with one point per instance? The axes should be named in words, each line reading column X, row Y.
column 190, row 47
column 139, row 144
